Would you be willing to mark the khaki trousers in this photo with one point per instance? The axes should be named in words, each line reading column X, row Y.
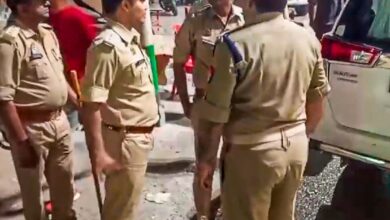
column 202, row 197
column 261, row 180
column 53, row 144
column 124, row 187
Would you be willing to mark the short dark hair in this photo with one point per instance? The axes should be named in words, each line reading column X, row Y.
column 13, row 4
column 110, row 6
column 270, row 5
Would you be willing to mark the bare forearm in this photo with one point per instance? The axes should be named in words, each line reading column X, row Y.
column 12, row 122
column 181, row 83
column 314, row 112
column 92, row 125
column 209, row 135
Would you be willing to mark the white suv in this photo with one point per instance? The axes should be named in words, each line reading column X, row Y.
column 356, row 122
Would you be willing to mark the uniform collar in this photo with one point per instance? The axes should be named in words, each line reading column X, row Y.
column 236, row 11
column 127, row 35
column 29, row 33
column 267, row 16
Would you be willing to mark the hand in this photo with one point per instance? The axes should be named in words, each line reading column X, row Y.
column 187, row 110
column 105, row 163
column 26, row 155
column 205, row 172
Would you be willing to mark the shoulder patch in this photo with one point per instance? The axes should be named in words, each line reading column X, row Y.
column 108, row 38
column 10, row 33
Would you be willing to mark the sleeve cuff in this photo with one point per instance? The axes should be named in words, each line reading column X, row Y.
column 94, row 94
column 7, row 94
column 210, row 112
column 317, row 93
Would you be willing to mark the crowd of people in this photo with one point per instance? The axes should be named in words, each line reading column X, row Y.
column 260, row 85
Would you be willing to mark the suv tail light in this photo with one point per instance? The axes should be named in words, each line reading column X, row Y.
column 336, row 49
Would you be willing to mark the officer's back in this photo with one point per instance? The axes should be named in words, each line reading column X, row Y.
column 266, row 96
column 287, row 57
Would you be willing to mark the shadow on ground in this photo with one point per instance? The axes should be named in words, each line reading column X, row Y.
column 11, row 206
column 360, row 194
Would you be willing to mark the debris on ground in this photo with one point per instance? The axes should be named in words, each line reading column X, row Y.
column 159, row 198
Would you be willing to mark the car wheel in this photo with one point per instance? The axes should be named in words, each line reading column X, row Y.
column 358, row 191
column 174, row 11
column 317, row 160
column 164, row 5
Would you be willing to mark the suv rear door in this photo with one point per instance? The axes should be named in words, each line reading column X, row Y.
column 358, row 61
column 359, row 67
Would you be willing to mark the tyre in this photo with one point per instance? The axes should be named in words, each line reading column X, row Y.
column 317, row 160
column 174, row 10
column 358, row 191
column 164, row 5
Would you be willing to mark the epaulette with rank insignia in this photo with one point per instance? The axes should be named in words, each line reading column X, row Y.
column 109, row 38
column 10, row 34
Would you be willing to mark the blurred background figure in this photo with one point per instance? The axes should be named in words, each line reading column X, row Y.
column 4, row 14
column 75, row 29
column 323, row 15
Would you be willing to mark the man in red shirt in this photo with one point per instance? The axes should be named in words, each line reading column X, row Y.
column 75, row 29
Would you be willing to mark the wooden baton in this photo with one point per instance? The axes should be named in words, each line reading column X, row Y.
column 76, row 87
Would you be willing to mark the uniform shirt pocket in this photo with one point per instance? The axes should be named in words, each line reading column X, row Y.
column 205, row 48
column 141, row 71
column 39, row 69
column 59, row 60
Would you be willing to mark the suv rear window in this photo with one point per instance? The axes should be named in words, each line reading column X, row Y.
column 366, row 21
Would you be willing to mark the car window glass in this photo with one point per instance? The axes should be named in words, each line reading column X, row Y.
column 380, row 27
column 366, row 21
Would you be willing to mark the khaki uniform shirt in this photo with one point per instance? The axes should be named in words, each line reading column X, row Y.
column 197, row 37
column 118, row 73
column 31, row 68
column 282, row 70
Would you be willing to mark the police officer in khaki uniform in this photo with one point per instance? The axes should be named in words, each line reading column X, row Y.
column 197, row 37
column 270, row 100
column 249, row 10
column 119, row 107
column 33, row 91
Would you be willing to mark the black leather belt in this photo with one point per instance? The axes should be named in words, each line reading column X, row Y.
column 130, row 129
column 38, row 116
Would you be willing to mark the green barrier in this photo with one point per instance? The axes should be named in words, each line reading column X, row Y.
column 153, row 61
